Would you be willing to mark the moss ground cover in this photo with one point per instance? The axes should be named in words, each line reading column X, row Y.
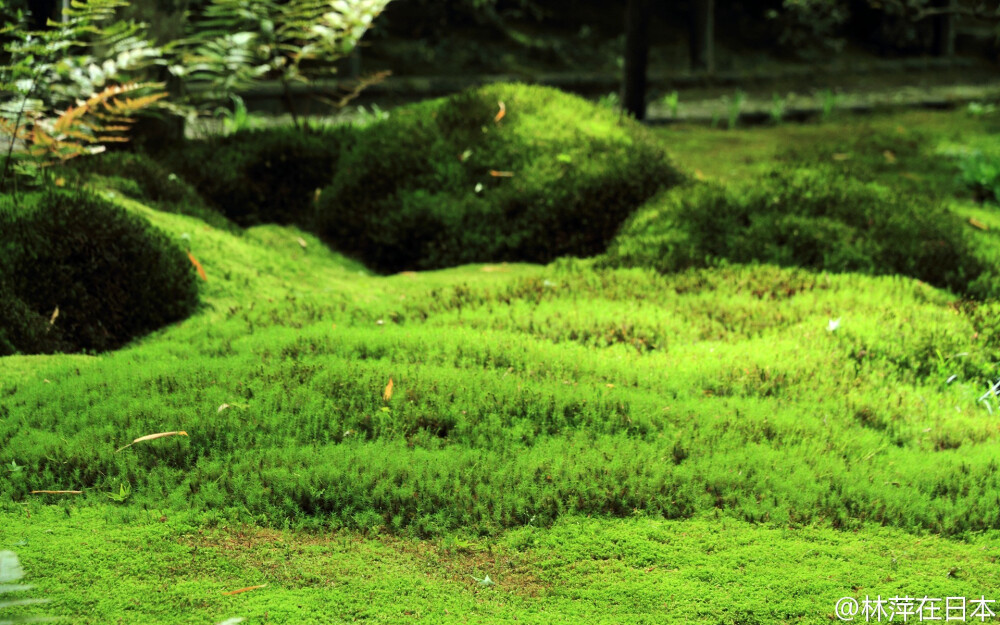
column 159, row 566
column 608, row 444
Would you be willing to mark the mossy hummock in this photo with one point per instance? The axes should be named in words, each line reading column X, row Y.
column 111, row 275
column 505, row 172
column 815, row 218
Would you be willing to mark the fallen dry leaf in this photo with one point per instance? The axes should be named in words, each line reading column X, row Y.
column 57, row 492
column 55, row 315
column 840, row 156
column 890, row 156
column 975, row 223
column 150, row 437
column 247, row 589
column 301, row 242
column 503, row 111
column 197, row 265
column 387, row 395
column 501, row 174
column 698, row 175
column 222, row 407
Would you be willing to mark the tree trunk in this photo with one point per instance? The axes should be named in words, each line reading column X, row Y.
column 636, row 57
column 944, row 30
column 702, row 38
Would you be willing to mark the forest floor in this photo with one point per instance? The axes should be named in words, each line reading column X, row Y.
column 795, row 472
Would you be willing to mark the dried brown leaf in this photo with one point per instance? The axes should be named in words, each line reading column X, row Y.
column 150, row 437
column 197, row 265
column 241, row 590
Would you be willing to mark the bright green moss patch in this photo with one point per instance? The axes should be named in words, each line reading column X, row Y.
column 106, row 565
column 524, row 394
column 811, row 218
column 451, row 181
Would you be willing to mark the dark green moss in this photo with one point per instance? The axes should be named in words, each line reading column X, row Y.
column 261, row 176
column 812, row 218
column 111, row 274
column 139, row 176
column 444, row 182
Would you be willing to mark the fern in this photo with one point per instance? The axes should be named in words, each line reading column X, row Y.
column 89, row 66
column 233, row 44
column 84, row 128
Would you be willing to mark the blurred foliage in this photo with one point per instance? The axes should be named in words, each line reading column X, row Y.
column 73, row 87
column 981, row 173
column 232, row 44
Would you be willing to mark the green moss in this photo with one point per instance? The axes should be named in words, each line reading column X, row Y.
column 812, row 218
column 139, row 176
column 442, row 183
column 21, row 329
column 103, row 564
column 261, row 176
column 111, row 275
column 544, row 422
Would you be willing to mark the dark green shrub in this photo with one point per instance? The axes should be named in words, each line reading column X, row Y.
column 809, row 218
column 981, row 173
column 440, row 183
column 261, row 176
column 141, row 177
column 112, row 275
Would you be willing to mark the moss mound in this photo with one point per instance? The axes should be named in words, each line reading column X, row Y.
column 111, row 274
column 445, row 182
column 261, row 176
column 142, row 178
column 812, row 218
